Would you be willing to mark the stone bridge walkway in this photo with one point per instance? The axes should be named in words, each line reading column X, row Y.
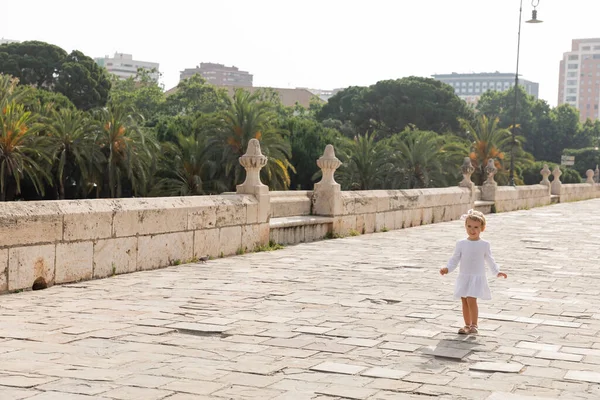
column 365, row 317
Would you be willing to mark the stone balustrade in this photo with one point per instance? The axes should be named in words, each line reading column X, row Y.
column 54, row 242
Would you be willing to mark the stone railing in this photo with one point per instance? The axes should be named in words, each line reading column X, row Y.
column 53, row 242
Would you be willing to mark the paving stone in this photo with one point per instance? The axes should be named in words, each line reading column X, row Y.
column 420, row 333
column 378, row 372
column 511, row 396
column 136, row 393
column 551, row 355
column 339, row 368
column 446, row 352
column 360, row 342
column 329, row 347
column 538, row 346
column 496, row 367
column 78, row 386
column 347, row 392
column 245, row 392
column 199, row 329
column 584, row 376
column 408, row 347
column 420, row 377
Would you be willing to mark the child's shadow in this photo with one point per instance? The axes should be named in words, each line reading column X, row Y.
column 456, row 349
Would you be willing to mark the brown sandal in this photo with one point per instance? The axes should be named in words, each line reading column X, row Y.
column 473, row 329
column 465, row 330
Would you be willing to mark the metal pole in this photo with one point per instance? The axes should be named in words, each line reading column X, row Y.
column 514, row 125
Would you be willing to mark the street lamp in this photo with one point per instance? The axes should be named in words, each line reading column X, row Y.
column 533, row 20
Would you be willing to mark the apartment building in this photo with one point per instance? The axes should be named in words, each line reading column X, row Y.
column 124, row 66
column 219, row 75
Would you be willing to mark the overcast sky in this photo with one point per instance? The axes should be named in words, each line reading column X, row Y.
column 321, row 44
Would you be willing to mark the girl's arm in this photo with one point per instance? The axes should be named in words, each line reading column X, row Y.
column 455, row 259
column 490, row 261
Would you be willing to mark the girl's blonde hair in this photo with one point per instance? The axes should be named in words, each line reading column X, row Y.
column 474, row 215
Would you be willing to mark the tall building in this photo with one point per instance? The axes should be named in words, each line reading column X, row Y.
column 579, row 77
column 124, row 66
column 470, row 87
column 7, row 41
column 219, row 75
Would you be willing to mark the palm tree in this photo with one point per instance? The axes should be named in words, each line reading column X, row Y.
column 187, row 170
column 365, row 163
column 74, row 151
column 488, row 141
column 129, row 151
column 417, row 159
column 22, row 153
column 248, row 118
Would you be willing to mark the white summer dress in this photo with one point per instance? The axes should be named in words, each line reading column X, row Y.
column 472, row 256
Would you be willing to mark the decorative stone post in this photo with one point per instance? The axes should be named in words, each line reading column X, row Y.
column 467, row 170
column 556, row 183
column 327, row 199
column 253, row 161
column 488, row 190
column 590, row 176
column 597, row 174
column 545, row 172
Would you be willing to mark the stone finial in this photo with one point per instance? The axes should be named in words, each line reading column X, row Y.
column 328, row 163
column 597, row 174
column 467, row 170
column 545, row 172
column 490, row 170
column 556, row 183
column 253, row 161
column 590, row 176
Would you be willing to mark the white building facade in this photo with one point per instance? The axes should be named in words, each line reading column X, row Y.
column 124, row 66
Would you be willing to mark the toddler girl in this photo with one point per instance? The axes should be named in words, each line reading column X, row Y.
column 471, row 283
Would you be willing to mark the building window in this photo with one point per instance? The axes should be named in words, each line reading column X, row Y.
column 596, row 56
column 571, row 98
column 595, row 106
column 572, row 82
column 573, row 57
column 571, row 74
column 584, row 48
column 573, row 66
column 572, row 90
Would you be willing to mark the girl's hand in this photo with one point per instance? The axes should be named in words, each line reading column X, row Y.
column 443, row 271
column 502, row 275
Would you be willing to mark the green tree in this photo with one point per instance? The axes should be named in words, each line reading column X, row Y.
column 194, row 96
column 140, row 93
column 187, row 170
column 129, row 151
column 417, row 160
column 22, row 153
column 390, row 106
column 81, row 80
column 74, row 151
column 488, row 141
column 248, row 118
column 32, row 62
column 365, row 163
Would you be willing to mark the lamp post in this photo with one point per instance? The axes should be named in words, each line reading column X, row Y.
column 533, row 20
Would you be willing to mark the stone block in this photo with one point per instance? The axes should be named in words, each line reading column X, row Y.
column 74, row 261
column 250, row 237
column 416, row 217
column 348, row 200
column 230, row 239
column 202, row 215
column 427, row 217
column 24, row 223
column 365, row 202
column 114, row 256
column 206, row 243
column 3, row 270
column 382, row 198
column 163, row 250
column 87, row 219
column 252, row 208
column 389, row 220
column 398, row 219
column 379, row 221
column 149, row 216
column 369, row 223
column 231, row 211
column 27, row 264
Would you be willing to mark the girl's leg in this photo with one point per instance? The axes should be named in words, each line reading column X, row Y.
column 473, row 310
column 466, row 316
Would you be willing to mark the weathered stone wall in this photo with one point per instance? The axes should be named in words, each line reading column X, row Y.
column 376, row 210
column 509, row 198
column 578, row 191
column 290, row 203
column 69, row 241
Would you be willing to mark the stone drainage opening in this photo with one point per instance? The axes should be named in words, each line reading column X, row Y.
column 39, row 284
